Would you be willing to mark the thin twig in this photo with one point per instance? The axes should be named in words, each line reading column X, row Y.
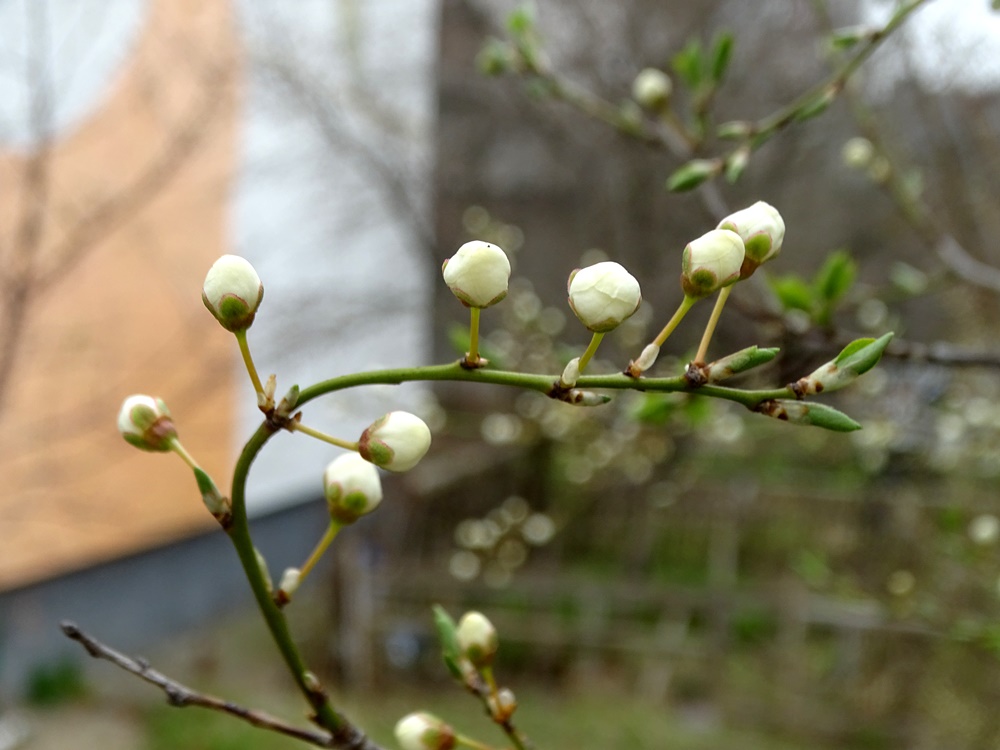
column 182, row 696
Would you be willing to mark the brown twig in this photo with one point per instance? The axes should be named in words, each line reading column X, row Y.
column 182, row 696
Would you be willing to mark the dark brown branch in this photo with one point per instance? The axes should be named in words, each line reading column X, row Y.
column 182, row 696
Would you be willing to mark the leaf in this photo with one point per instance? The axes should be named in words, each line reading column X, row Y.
column 521, row 20
column 688, row 64
column 448, row 635
column 793, row 292
column 835, row 277
column 862, row 355
column 722, row 53
column 815, row 106
column 692, row 174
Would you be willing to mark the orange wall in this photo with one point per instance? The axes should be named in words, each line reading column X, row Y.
column 128, row 317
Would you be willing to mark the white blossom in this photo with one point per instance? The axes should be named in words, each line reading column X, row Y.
column 603, row 295
column 711, row 262
column 395, row 442
column 232, row 292
column 477, row 274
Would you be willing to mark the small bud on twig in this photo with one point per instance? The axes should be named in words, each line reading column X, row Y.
column 711, row 262
column 424, row 731
column 477, row 274
column 232, row 292
column 762, row 230
column 352, row 488
column 145, row 422
column 603, row 295
column 652, row 89
column 477, row 639
column 395, row 442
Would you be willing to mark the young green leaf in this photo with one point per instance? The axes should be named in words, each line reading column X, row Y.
column 693, row 174
column 447, row 632
column 863, row 354
column 722, row 52
column 835, row 278
column 793, row 292
column 689, row 64
column 800, row 412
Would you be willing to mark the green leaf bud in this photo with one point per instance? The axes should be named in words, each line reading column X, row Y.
column 800, row 412
column 691, row 175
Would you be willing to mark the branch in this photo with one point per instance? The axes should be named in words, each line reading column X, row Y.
column 181, row 696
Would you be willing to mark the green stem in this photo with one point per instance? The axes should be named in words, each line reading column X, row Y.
column 682, row 310
column 180, row 450
column 239, row 532
column 713, row 321
column 473, row 356
column 241, row 338
column 321, row 547
column 595, row 341
column 462, row 740
column 299, row 427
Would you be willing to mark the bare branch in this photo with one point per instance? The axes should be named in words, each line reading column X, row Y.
column 182, row 696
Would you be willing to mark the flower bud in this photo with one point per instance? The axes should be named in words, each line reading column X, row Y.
column 502, row 705
column 477, row 274
column 477, row 639
column 232, row 292
column 571, row 373
column 352, row 487
column 762, row 230
column 984, row 529
column 858, row 153
column 145, row 422
column 290, row 580
column 652, row 89
column 711, row 262
column 603, row 295
column 395, row 442
column 424, row 731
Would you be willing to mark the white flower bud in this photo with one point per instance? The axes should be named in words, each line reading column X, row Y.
column 395, row 442
column 232, row 292
column 571, row 373
column 711, row 262
column 762, row 230
column 424, row 731
column 477, row 639
column 503, row 704
column 145, row 422
column 858, row 153
column 290, row 580
column 477, row 274
column 984, row 529
column 652, row 89
column 603, row 295
column 647, row 357
column 352, row 487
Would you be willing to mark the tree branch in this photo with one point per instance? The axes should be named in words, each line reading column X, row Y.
column 181, row 696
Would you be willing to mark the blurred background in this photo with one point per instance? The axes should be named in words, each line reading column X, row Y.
column 664, row 572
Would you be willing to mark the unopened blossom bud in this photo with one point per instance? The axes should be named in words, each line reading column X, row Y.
column 352, row 487
column 646, row 359
column 424, row 731
column 145, row 422
column 652, row 89
column 858, row 153
column 477, row 639
column 571, row 373
column 503, row 704
column 762, row 230
column 290, row 580
column 984, row 529
column 232, row 292
column 603, row 295
column 395, row 442
column 477, row 274
column 711, row 262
